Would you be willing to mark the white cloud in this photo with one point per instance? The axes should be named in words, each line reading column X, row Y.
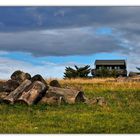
column 47, row 69
column 8, row 66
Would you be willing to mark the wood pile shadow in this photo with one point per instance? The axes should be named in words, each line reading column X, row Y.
column 24, row 89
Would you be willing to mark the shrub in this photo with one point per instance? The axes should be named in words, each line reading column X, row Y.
column 78, row 72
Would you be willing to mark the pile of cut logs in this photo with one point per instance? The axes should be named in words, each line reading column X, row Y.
column 22, row 88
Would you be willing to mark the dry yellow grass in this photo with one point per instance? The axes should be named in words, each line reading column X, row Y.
column 98, row 84
column 85, row 81
column 92, row 80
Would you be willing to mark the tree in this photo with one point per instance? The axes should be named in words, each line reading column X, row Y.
column 77, row 72
column 137, row 68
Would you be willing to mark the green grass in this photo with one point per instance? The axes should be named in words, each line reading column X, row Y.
column 121, row 115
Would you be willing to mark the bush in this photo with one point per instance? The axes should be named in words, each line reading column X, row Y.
column 78, row 72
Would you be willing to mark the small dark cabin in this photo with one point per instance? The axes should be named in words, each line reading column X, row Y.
column 117, row 65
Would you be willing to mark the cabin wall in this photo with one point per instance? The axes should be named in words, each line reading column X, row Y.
column 110, row 67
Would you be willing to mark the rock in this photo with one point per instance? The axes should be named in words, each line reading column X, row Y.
column 20, row 76
column 98, row 100
column 101, row 101
column 55, row 83
column 91, row 101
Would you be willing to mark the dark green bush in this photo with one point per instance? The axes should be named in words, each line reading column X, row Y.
column 78, row 72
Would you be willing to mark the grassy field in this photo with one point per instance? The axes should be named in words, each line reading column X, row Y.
column 121, row 115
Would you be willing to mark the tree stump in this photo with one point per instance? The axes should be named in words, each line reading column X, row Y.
column 71, row 96
column 17, row 92
column 33, row 93
column 20, row 76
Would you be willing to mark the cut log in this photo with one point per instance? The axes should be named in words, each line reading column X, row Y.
column 39, row 78
column 55, row 83
column 17, row 92
column 3, row 95
column 71, row 96
column 33, row 93
column 20, row 76
column 2, row 83
column 10, row 85
column 54, row 100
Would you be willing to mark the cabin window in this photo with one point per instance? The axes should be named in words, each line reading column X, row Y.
column 100, row 67
column 117, row 67
column 109, row 67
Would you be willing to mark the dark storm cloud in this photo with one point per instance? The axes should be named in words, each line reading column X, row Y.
column 60, row 31
column 77, row 41
column 33, row 18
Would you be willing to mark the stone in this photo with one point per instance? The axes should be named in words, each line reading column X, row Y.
column 101, row 101
column 91, row 101
column 71, row 96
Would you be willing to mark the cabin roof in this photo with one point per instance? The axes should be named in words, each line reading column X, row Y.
column 110, row 62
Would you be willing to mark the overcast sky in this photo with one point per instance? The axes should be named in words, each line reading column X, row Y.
column 44, row 40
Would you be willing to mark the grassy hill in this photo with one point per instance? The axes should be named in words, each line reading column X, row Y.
column 121, row 115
